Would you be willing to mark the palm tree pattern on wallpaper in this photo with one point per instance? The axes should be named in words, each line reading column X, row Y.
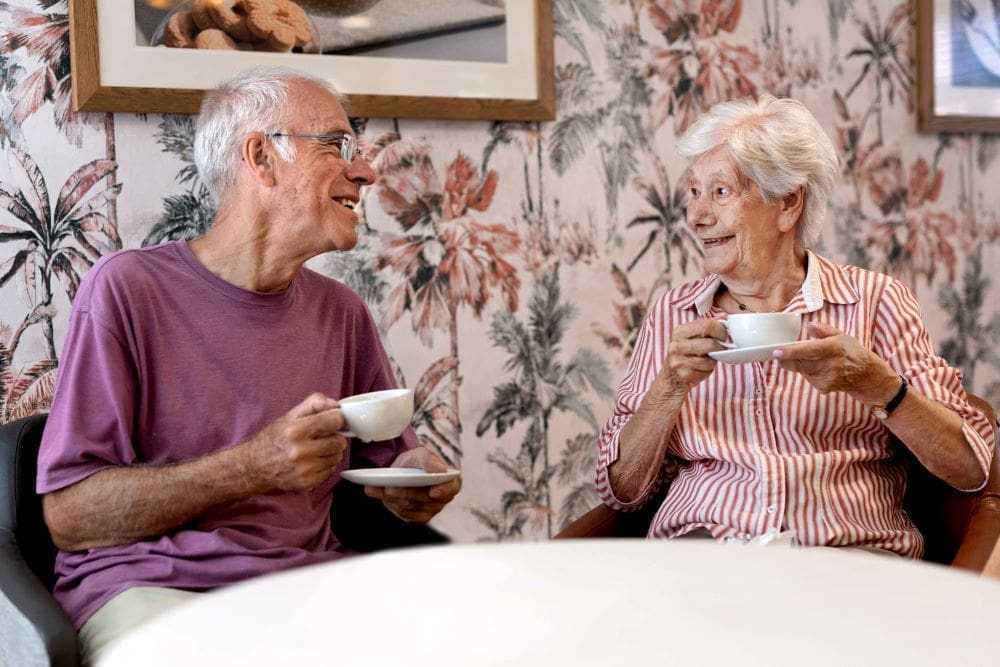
column 189, row 214
column 44, row 35
column 509, row 264
column 541, row 386
column 59, row 240
column 445, row 257
column 46, row 241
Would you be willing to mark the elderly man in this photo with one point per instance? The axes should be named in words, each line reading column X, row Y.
column 797, row 438
column 194, row 435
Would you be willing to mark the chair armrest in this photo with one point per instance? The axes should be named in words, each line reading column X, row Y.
column 602, row 521
column 26, row 603
column 983, row 532
column 981, row 536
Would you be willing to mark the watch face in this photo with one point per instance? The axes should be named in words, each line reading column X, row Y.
column 880, row 413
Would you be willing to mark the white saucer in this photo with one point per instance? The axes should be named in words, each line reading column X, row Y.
column 398, row 476
column 743, row 355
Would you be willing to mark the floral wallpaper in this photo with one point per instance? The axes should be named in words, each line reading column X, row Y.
column 510, row 264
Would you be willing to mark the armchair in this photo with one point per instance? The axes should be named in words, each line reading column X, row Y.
column 34, row 629
column 960, row 529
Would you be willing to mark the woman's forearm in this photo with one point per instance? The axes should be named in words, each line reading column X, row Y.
column 933, row 432
column 643, row 441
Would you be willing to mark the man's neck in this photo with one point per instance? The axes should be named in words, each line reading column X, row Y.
column 243, row 254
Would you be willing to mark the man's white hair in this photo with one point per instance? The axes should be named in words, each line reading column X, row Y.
column 254, row 100
column 778, row 145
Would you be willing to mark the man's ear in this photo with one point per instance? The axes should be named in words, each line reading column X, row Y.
column 258, row 158
column 791, row 209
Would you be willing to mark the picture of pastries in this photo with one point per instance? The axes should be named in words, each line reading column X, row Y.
column 467, row 30
column 245, row 25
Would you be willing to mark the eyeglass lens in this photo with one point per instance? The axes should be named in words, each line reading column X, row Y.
column 347, row 148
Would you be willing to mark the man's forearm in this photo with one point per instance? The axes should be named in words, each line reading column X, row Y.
column 126, row 504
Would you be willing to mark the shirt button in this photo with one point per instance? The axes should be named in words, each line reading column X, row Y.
column 760, row 412
column 771, row 509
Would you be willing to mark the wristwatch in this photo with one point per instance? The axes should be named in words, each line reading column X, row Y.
column 881, row 412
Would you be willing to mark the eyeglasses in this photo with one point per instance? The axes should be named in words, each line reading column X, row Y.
column 339, row 141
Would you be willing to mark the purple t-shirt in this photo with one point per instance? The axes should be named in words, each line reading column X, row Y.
column 164, row 362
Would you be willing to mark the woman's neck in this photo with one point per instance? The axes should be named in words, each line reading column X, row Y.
column 764, row 294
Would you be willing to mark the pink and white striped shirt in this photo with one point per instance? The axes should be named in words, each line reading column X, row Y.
column 756, row 447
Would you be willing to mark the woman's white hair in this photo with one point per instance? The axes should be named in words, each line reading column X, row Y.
column 254, row 100
column 778, row 145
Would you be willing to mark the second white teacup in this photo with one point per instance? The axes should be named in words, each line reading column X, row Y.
column 756, row 329
column 379, row 415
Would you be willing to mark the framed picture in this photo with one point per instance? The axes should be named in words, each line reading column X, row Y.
column 958, row 66
column 391, row 62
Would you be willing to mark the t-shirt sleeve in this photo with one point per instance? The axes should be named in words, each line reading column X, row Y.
column 902, row 340
column 93, row 409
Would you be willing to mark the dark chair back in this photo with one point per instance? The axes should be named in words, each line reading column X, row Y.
column 21, row 509
column 37, row 628
column 364, row 525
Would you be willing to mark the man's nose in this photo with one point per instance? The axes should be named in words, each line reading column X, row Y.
column 360, row 171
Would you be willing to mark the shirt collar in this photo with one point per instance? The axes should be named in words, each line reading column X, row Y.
column 825, row 282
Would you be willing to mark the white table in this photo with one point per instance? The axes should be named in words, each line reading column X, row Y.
column 592, row 602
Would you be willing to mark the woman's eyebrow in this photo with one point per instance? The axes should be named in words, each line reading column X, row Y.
column 718, row 175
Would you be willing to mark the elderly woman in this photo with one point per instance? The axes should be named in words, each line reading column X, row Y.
column 800, row 440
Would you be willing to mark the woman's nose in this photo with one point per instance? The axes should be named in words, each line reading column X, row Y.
column 696, row 211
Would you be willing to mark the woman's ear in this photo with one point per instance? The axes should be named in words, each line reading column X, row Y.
column 258, row 158
column 791, row 209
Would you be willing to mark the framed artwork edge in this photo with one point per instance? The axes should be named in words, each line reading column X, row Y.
column 90, row 95
column 927, row 119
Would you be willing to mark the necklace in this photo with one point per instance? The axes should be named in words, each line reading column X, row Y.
column 742, row 306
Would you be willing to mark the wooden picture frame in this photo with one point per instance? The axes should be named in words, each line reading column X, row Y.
column 111, row 73
column 958, row 82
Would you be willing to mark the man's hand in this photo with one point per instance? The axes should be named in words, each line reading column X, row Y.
column 833, row 361
column 417, row 504
column 299, row 450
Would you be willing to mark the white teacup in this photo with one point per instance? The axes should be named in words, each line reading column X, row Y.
column 757, row 329
column 379, row 415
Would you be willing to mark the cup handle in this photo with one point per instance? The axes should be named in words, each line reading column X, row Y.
column 723, row 343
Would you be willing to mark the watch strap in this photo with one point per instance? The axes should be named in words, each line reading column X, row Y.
column 898, row 398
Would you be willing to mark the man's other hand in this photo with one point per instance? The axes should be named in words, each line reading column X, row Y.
column 417, row 504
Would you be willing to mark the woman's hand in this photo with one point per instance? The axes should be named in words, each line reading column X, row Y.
column 833, row 361
column 687, row 361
